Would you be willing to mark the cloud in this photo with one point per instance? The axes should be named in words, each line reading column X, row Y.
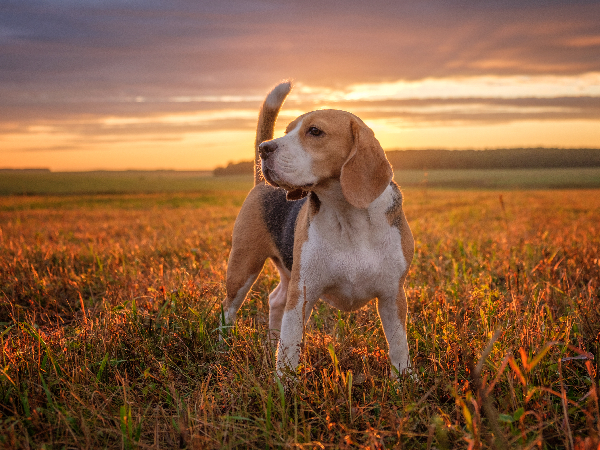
column 82, row 72
column 487, row 86
column 172, row 121
column 125, row 48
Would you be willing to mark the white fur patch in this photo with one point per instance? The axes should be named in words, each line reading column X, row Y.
column 278, row 95
column 292, row 164
column 353, row 255
column 395, row 334
column 277, row 300
column 350, row 257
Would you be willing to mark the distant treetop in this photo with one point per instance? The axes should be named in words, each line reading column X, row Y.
column 505, row 158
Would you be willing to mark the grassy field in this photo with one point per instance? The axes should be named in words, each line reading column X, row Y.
column 109, row 307
column 136, row 182
column 582, row 178
column 127, row 182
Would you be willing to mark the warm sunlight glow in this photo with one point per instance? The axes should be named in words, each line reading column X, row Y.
column 192, row 151
column 576, row 133
column 462, row 112
column 465, row 87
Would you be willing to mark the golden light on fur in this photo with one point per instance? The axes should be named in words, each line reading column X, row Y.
column 346, row 242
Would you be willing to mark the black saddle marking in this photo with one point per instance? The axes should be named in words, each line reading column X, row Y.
column 280, row 216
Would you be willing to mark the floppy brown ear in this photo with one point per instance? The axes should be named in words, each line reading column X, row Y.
column 367, row 172
column 296, row 194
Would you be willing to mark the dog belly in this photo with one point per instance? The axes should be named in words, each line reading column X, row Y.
column 343, row 303
column 356, row 280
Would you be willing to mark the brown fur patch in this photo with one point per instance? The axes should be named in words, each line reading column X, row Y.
column 266, row 122
column 251, row 244
column 301, row 236
column 402, row 304
column 294, row 123
column 367, row 172
column 314, row 204
column 346, row 149
column 394, row 211
column 396, row 218
column 296, row 194
column 330, row 150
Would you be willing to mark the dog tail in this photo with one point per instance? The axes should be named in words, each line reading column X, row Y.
column 266, row 121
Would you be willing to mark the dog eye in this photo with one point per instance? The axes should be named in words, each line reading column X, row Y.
column 315, row 131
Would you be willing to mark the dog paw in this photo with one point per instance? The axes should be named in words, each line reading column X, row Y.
column 225, row 332
column 406, row 373
column 286, row 381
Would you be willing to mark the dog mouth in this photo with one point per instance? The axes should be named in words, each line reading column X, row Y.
column 270, row 176
column 275, row 180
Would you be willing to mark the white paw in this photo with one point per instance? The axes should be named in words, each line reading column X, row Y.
column 404, row 374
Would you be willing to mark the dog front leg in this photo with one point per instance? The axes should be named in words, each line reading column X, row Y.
column 392, row 311
column 277, row 301
column 296, row 314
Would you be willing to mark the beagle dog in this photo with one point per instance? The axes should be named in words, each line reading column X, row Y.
column 330, row 218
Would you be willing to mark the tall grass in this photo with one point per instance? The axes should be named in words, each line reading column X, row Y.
column 109, row 315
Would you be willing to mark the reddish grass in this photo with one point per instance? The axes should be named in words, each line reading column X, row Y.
column 108, row 312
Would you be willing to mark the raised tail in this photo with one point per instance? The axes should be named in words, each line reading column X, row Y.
column 266, row 122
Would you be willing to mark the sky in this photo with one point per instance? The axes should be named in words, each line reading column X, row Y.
column 174, row 84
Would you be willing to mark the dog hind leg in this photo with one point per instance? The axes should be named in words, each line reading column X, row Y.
column 233, row 303
column 242, row 272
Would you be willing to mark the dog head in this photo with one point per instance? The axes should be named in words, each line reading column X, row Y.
column 326, row 145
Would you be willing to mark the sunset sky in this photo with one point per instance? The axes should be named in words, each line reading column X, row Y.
column 169, row 84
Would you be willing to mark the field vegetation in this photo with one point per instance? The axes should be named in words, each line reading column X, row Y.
column 109, row 309
column 163, row 181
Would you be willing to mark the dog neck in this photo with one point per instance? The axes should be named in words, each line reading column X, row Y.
column 342, row 214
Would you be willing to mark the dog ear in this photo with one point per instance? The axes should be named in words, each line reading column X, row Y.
column 296, row 194
column 367, row 172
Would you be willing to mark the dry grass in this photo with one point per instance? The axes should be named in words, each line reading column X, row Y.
column 108, row 312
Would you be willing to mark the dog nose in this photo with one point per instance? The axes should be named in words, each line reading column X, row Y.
column 266, row 148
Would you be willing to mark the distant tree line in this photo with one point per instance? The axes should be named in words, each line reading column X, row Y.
column 240, row 168
column 34, row 170
column 505, row 158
